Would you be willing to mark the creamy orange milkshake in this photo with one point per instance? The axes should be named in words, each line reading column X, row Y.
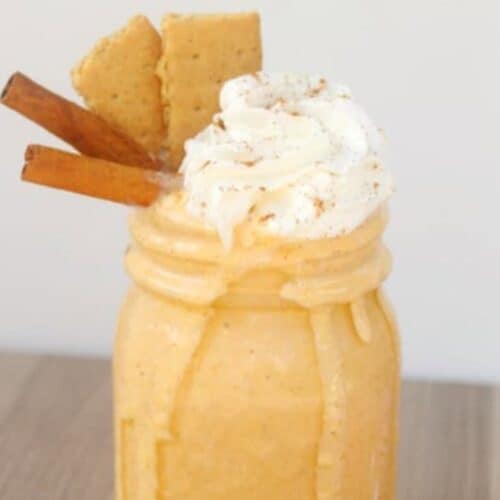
column 256, row 355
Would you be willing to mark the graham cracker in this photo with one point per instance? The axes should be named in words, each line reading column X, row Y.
column 200, row 52
column 118, row 82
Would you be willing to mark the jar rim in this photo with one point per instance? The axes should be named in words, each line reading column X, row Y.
column 187, row 262
column 167, row 229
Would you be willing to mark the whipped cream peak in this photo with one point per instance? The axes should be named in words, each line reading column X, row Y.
column 288, row 155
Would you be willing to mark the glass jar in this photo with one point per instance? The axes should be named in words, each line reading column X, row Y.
column 267, row 372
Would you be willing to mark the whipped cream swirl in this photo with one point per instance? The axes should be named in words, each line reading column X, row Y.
column 290, row 156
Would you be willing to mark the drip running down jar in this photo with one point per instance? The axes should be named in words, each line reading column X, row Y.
column 269, row 372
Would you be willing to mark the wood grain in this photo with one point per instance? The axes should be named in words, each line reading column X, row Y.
column 15, row 369
column 56, row 436
column 55, row 439
column 495, row 447
column 445, row 451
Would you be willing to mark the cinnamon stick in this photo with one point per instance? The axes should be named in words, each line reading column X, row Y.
column 94, row 177
column 77, row 126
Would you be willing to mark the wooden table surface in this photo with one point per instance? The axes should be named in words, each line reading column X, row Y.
column 56, row 439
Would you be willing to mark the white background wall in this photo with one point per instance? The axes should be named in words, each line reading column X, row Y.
column 427, row 71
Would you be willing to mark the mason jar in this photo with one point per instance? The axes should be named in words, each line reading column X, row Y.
column 269, row 371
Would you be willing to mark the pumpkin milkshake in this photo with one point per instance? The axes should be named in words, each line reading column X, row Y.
column 256, row 356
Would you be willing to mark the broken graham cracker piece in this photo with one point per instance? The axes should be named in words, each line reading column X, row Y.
column 118, row 82
column 201, row 52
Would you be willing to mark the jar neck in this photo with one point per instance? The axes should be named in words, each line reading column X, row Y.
column 173, row 255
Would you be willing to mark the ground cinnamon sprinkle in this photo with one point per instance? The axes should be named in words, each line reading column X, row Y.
column 219, row 122
column 319, row 205
column 249, row 163
column 316, row 90
column 267, row 217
